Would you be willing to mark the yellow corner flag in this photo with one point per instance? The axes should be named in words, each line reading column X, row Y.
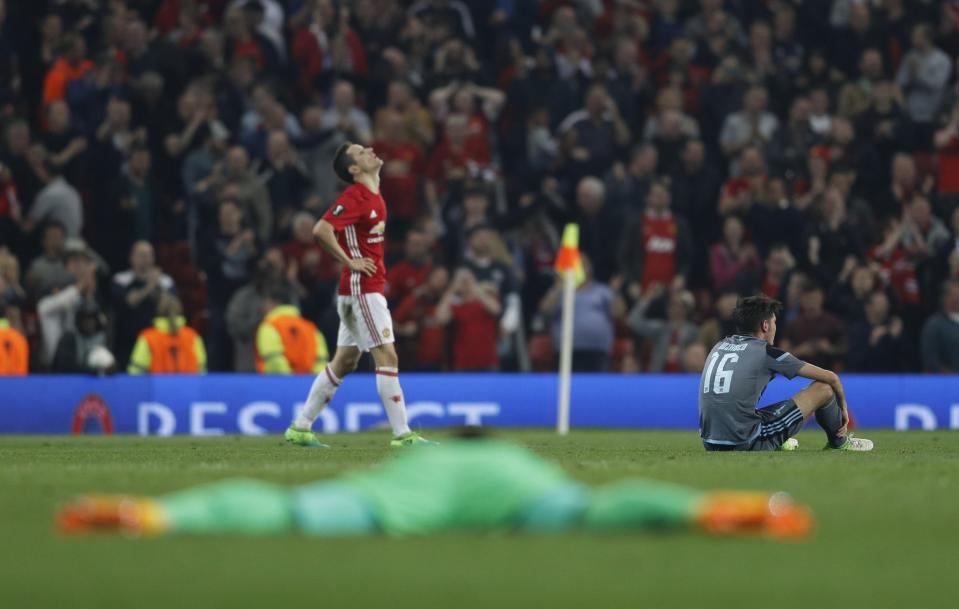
column 568, row 256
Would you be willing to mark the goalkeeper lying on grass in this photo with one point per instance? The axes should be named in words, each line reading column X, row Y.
column 465, row 485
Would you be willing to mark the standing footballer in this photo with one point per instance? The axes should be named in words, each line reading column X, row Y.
column 736, row 374
column 352, row 230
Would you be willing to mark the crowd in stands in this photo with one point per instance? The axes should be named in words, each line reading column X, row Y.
column 162, row 164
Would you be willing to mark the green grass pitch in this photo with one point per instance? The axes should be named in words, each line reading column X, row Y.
column 888, row 533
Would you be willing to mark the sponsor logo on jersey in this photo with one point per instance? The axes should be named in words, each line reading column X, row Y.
column 661, row 245
column 373, row 215
column 376, row 233
column 338, row 210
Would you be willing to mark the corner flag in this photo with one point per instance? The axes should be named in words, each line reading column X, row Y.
column 568, row 256
column 569, row 265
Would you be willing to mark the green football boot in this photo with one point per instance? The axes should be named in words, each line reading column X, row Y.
column 411, row 439
column 303, row 437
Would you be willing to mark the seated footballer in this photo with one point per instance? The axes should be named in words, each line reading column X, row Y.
column 737, row 370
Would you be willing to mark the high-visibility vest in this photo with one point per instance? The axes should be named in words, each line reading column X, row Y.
column 14, row 351
column 161, row 351
column 285, row 334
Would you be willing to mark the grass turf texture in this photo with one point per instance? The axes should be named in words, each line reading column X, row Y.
column 887, row 533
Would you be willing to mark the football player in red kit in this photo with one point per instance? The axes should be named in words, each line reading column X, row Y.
column 353, row 230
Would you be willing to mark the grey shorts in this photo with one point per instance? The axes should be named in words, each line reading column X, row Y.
column 780, row 421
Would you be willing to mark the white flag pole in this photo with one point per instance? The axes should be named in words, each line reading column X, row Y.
column 566, row 351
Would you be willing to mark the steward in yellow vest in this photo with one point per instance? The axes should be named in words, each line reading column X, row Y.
column 14, row 351
column 286, row 343
column 170, row 346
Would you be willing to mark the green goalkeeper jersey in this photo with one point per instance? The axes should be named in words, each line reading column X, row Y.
column 460, row 485
column 475, row 485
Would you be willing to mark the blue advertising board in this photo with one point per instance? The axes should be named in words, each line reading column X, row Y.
column 249, row 404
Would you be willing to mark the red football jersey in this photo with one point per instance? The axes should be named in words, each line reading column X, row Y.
column 359, row 217
column 659, row 241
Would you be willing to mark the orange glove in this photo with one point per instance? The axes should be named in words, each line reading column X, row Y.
column 776, row 515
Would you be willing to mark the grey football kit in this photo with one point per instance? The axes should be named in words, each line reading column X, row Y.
column 736, row 373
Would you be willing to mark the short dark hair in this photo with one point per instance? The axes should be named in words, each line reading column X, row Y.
column 752, row 311
column 342, row 161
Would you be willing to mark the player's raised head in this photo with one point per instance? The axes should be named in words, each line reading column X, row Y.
column 343, row 161
column 756, row 315
column 352, row 160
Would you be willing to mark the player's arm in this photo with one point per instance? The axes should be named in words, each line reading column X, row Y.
column 326, row 235
column 815, row 373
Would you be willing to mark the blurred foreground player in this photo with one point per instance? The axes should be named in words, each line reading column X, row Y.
column 356, row 223
column 468, row 485
column 736, row 374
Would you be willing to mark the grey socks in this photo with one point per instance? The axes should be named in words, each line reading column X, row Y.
column 829, row 418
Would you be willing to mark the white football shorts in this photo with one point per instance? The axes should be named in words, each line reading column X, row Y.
column 365, row 321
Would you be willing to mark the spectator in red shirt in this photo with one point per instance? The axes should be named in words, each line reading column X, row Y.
column 656, row 244
column 457, row 158
column 10, row 209
column 946, row 141
column 473, row 310
column 740, row 192
column 324, row 42
column 411, row 271
column 896, row 267
column 779, row 263
column 481, row 106
column 403, row 164
column 244, row 41
column 418, row 332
